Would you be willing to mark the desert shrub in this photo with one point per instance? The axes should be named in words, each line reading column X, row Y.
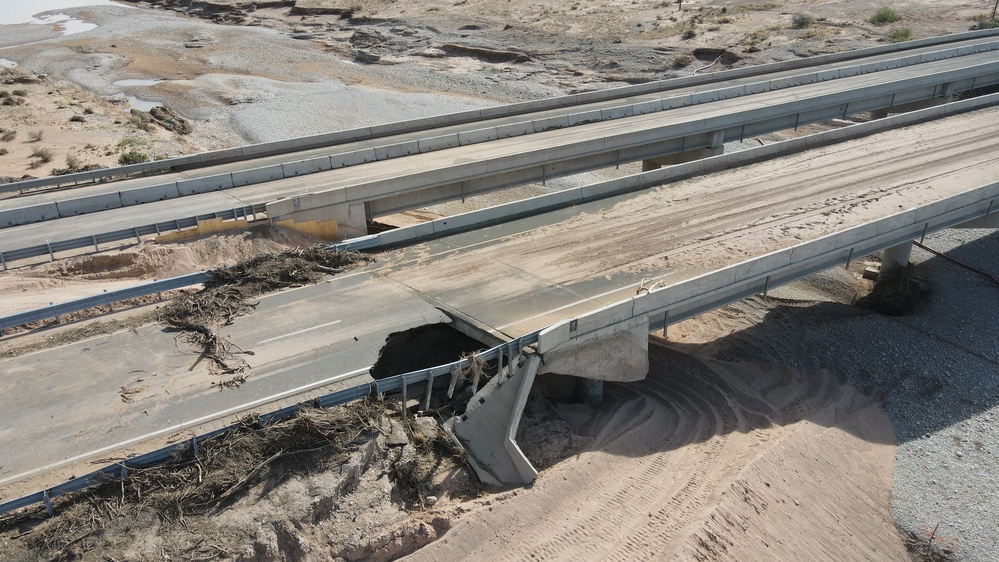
column 897, row 292
column 801, row 21
column 20, row 93
column 689, row 33
column 41, row 156
column 77, row 119
column 682, row 60
column 72, row 162
column 132, row 157
column 985, row 23
column 4, row 94
column 7, row 136
column 35, row 136
column 4, row 152
column 899, row 34
column 885, row 14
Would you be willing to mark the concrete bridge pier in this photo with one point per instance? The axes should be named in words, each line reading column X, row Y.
column 488, row 428
column 715, row 147
column 895, row 257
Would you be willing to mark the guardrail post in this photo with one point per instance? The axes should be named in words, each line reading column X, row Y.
column 3, row 260
column 927, row 225
column 157, row 227
column 51, row 255
column 176, row 223
column 849, row 257
column 137, row 237
column 766, row 286
column 405, row 396
column 96, row 247
column 48, row 502
column 430, row 387
column 194, row 446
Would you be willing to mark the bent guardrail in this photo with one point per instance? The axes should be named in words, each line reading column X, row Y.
column 103, row 299
column 503, row 354
column 137, row 232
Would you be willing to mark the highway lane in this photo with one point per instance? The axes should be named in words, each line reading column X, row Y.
column 454, row 164
column 510, row 279
column 71, row 401
column 56, row 195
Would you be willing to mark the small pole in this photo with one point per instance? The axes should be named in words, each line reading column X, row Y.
column 849, row 257
column 48, row 503
column 766, row 286
column 194, row 446
column 923, row 235
column 96, row 247
column 405, row 398
column 797, row 116
column 430, row 387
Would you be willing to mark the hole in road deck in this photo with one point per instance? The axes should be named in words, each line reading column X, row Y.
column 421, row 348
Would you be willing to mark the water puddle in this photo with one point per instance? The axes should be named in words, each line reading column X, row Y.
column 136, row 103
column 17, row 12
column 130, row 82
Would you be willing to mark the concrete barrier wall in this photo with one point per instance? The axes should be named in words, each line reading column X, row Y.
column 205, row 184
column 437, row 143
column 257, row 175
column 397, row 150
column 148, row 194
column 27, row 215
column 305, row 167
column 89, row 204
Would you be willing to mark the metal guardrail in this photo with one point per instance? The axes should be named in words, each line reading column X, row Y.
column 503, row 354
column 103, row 299
column 286, row 146
column 136, row 232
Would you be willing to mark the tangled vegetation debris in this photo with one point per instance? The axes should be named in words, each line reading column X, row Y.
column 896, row 292
column 177, row 499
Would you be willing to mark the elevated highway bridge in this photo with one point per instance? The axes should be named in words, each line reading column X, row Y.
column 438, row 159
column 573, row 274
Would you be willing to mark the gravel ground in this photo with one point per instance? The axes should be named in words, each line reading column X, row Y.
column 937, row 370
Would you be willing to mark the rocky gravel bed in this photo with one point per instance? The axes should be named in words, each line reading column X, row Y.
column 935, row 371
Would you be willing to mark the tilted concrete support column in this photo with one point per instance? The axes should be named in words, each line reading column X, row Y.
column 895, row 258
column 488, row 428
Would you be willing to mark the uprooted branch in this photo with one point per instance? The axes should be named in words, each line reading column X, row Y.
column 202, row 314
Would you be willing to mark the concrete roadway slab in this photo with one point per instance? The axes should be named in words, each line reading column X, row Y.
column 65, row 403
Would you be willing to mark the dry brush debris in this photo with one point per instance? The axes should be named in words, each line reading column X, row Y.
column 176, row 499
